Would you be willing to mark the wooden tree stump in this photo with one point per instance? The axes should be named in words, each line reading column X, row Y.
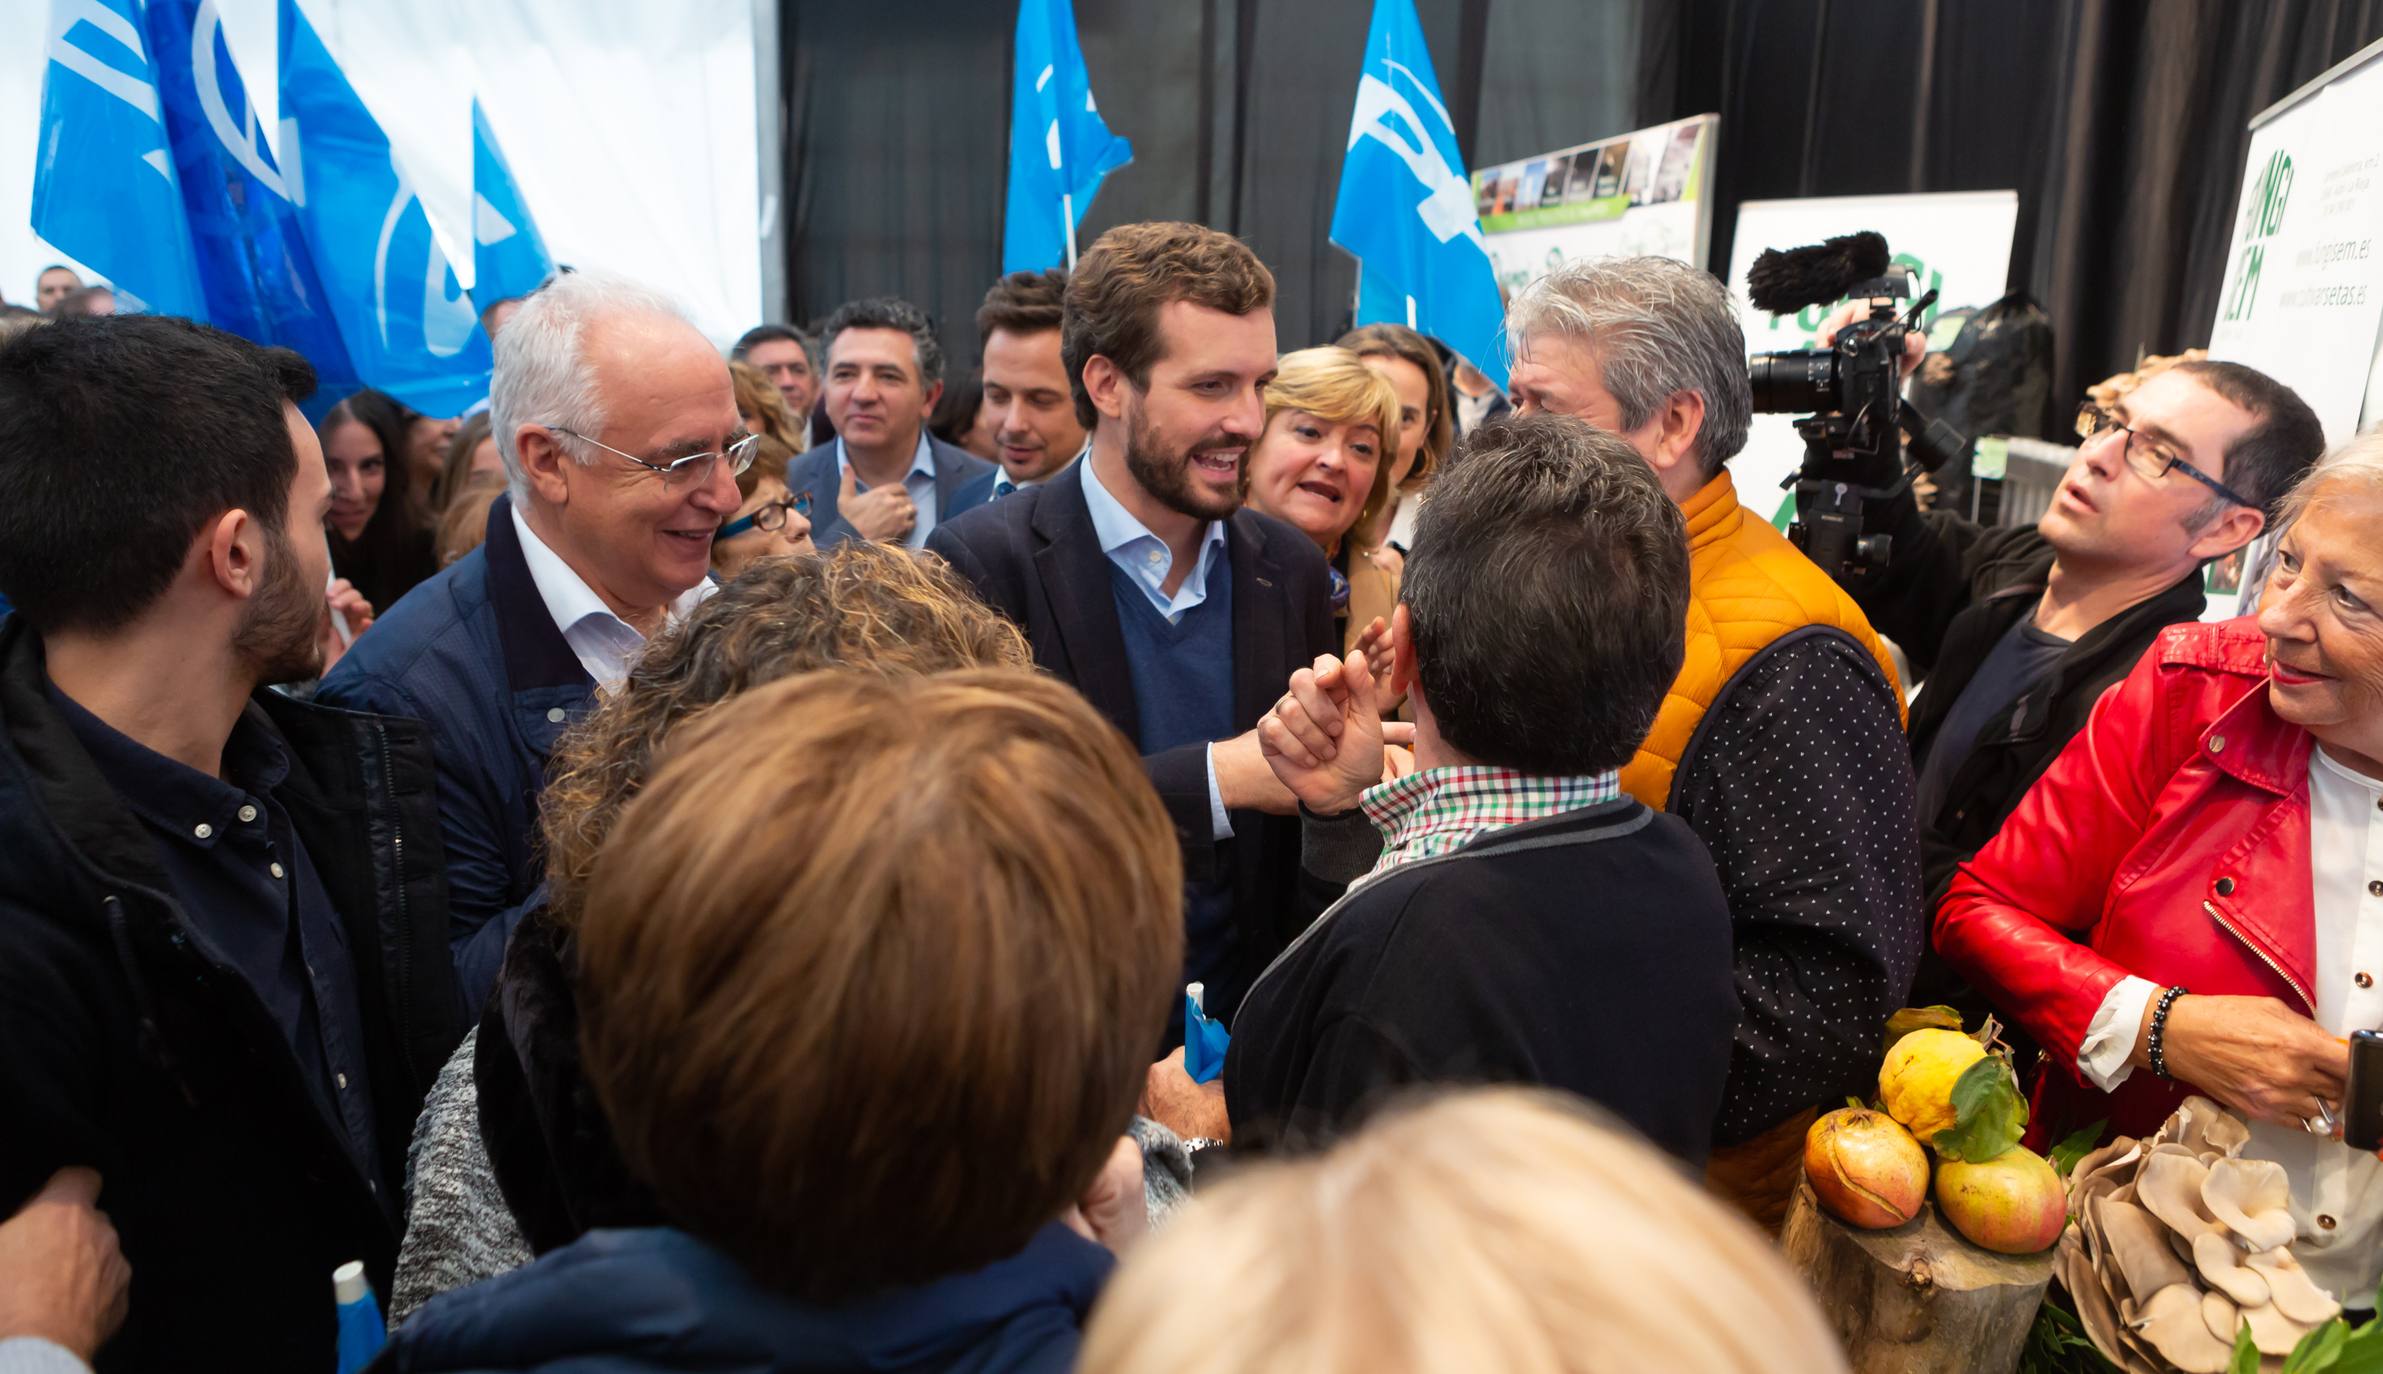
column 1918, row 1299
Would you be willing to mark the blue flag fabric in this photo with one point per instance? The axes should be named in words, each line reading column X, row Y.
column 104, row 188
column 509, row 258
column 405, row 318
column 253, row 262
column 1058, row 146
column 1405, row 208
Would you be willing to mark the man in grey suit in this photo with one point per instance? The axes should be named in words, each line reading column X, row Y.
column 884, row 476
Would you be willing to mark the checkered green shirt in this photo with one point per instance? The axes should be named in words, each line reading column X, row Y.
column 1435, row 810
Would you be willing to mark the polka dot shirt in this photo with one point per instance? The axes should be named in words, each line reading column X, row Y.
column 1800, row 783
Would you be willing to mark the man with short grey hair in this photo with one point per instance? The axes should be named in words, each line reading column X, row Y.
column 619, row 432
column 1780, row 742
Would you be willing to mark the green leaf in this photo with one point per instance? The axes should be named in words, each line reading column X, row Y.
column 2318, row 1349
column 2077, row 1146
column 2246, row 1353
column 1910, row 1019
column 1989, row 1115
column 2362, row 1348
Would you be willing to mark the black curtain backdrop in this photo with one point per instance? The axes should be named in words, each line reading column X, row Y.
column 2119, row 122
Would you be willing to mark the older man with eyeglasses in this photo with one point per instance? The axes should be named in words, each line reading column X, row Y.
column 618, row 427
column 2017, row 631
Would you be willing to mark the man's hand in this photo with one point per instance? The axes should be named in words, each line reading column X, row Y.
column 62, row 1279
column 1915, row 342
column 1195, row 1111
column 342, row 600
column 1113, row 1211
column 881, row 513
column 1374, row 643
column 1324, row 739
column 2254, row 1054
column 1243, row 780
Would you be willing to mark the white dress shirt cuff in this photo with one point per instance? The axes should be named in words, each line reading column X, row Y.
column 33, row 1355
column 1220, row 824
column 2110, row 1038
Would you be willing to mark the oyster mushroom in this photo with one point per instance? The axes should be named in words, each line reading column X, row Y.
column 2172, row 1322
column 2138, row 1246
column 2169, row 1185
column 2252, row 1199
column 2293, row 1292
column 2272, row 1331
column 2221, row 1265
column 2221, row 1316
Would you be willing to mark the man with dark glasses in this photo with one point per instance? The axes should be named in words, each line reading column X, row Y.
column 2015, row 632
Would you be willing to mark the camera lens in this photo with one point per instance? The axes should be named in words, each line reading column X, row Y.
column 1794, row 381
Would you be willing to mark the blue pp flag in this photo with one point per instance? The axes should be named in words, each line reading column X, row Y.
column 1204, row 1040
column 104, row 188
column 1058, row 147
column 508, row 257
column 406, row 320
column 258, row 277
column 1405, row 209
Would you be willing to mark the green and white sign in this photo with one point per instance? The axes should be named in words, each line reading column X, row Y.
column 2303, row 292
column 1638, row 193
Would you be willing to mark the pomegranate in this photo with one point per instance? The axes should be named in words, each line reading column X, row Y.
column 1865, row 1169
column 2013, row 1203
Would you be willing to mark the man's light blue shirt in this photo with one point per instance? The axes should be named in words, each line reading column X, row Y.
column 1145, row 560
column 919, row 482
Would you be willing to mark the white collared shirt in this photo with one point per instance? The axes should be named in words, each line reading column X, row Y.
column 605, row 644
column 1145, row 560
column 919, row 482
column 2331, row 1183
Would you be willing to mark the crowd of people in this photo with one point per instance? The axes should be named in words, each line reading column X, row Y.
column 736, row 862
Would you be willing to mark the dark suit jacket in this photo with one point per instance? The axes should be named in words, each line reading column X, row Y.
column 963, row 481
column 1035, row 558
column 473, row 654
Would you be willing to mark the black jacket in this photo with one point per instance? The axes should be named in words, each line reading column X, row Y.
column 1545, row 953
column 128, row 1049
column 1951, row 592
column 1036, row 558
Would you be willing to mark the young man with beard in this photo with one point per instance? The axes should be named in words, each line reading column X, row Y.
column 222, row 910
column 1141, row 580
column 1033, row 407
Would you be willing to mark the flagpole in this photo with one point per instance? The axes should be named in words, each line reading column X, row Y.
column 1067, row 210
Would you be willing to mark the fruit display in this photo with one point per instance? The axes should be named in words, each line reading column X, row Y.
column 1954, row 1094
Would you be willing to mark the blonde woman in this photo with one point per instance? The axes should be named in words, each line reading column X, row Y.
column 1501, row 1229
column 1324, row 463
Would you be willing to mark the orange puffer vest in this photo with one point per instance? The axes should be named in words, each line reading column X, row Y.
column 1747, row 586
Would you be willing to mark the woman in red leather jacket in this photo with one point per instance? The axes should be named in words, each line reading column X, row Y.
column 2191, row 898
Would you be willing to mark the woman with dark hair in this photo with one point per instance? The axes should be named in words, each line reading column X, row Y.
column 959, row 418
column 378, row 542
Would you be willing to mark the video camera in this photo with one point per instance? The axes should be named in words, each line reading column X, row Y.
column 1851, row 395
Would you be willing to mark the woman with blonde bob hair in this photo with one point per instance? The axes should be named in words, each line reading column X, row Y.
column 1506, row 1229
column 1324, row 465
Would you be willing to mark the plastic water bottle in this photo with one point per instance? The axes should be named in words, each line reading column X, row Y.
column 362, row 1333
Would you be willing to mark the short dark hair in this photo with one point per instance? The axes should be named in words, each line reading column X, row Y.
column 955, row 411
column 2265, row 460
column 889, row 312
column 1023, row 303
column 1548, row 593
column 120, row 438
column 773, row 333
column 1136, row 270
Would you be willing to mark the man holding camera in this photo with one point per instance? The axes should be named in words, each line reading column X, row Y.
column 1780, row 742
column 2016, row 632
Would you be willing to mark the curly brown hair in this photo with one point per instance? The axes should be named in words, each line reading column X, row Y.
column 759, row 397
column 863, row 606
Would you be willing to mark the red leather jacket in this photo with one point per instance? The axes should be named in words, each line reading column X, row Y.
column 2170, row 840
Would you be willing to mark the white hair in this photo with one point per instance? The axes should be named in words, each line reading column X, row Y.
column 1657, row 326
column 542, row 376
column 2356, row 462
